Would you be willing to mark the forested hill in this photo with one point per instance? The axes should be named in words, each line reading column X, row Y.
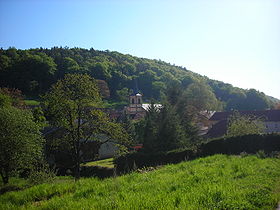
column 33, row 71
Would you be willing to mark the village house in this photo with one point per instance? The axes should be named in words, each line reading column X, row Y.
column 219, row 121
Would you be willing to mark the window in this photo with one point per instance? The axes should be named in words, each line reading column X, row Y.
column 132, row 101
column 139, row 101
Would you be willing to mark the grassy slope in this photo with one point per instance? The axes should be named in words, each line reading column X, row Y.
column 30, row 102
column 108, row 163
column 220, row 181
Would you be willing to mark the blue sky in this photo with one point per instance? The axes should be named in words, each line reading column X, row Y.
column 237, row 42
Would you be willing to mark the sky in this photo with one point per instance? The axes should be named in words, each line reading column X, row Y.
column 237, row 42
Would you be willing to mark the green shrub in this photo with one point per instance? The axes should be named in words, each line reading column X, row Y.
column 241, row 145
column 235, row 145
column 41, row 175
column 261, row 154
column 132, row 161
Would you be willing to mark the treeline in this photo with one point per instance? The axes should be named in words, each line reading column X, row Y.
column 33, row 71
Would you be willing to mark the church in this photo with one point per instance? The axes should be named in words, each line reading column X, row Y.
column 136, row 108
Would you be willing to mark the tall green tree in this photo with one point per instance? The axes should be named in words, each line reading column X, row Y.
column 150, row 128
column 200, row 97
column 21, row 142
column 171, row 134
column 179, row 100
column 256, row 100
column 163, row 129
column 72, row 105
column 99, row 70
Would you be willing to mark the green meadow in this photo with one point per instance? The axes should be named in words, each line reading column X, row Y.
column 216, row 182
column 108, row 163
column 30, row 102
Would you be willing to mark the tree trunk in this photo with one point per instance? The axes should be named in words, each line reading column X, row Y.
column 78, row 147
column 5, row 177
column 77, row 170
column 77, row 162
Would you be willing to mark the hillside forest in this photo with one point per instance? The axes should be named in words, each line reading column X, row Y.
column 33, row 71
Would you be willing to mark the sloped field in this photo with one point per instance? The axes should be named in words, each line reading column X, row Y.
column 216, row 182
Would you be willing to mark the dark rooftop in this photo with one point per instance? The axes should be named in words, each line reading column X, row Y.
column 266, row 115
column 218, row 129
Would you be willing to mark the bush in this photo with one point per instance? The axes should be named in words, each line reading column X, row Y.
column 261, row 154
column 42, row 174
column 241, row 145
column 132, row 161
column 236, row 145
column 97, row 171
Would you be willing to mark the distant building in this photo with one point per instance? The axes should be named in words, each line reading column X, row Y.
column 203, row 124
column 219, row 121
column 136, row 109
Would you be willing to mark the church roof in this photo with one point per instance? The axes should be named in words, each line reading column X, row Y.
column 135, row 94
column 147, row 106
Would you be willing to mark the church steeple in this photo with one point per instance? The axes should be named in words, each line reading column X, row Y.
column 135, row 100
column 135, row 104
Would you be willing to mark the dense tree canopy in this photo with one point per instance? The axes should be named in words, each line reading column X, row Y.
column 34, row 71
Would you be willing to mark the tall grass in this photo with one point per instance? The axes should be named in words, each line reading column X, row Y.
column 216, row 182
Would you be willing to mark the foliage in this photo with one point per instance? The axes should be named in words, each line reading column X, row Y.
column 250, row 144
column 70, row 107
column 11, row 97
column 39, row 117
column 21, row 143
column 217, row 182
column 5, row 100
column 253, row 143
column 200, row 97
column 34, row 70
column 162, row 130
column 261, row 154
column 149, row 128
column 240, row 99
column 31, row 73
column 129, row 126
column 171, row 133
column 103, row 88
column 244, row 125
column 138, row 160
column 172, row 126
column 123, row 94
column 41, row 174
